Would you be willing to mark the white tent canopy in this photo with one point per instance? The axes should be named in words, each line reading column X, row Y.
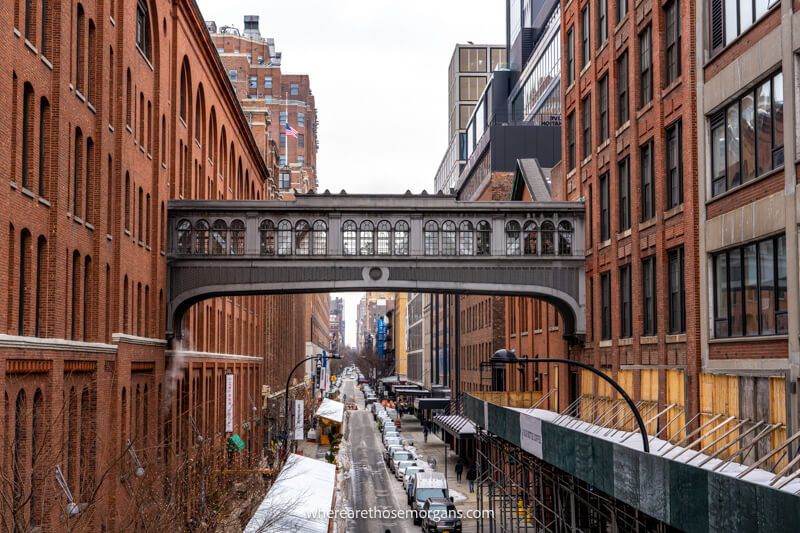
column 331, row 410
column 299, row 500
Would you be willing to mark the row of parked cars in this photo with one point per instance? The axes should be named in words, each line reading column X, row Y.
column 426, row 490
column 369, row 394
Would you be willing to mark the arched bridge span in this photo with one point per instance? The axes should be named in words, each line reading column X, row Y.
column 408, row 243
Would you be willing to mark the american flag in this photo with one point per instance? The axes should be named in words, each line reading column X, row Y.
column 290, row 131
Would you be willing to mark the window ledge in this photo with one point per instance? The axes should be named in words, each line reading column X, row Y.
column 164, row 165
column 182, row 121
column 754, row 338
column 745, row 185
column 602, row 47
column 77, row 219
column 627, row 341
column 80, row 96
column 623, row 234
column 110, row 128
column 604, row 344
column 13, row 185
column 523, row 334
column 586, row 160
column 112, row 21
column 604, row 244
column 622, row 128
column 585, row 68
column 28, row 193
column 31, row 47
column 677, row 210
column 537, row 331
column 128, row 127
column 622, row 22
column 89, row 226
column 128, row 232
column 673, row 339
column 109, row 237
column 552, row 328
column 671, row 87
column 44, row 201
column 652, row 339
column 569, row 87
column 572, row 173
column 643, row 111
column 91, row 106
column 17, row 32
column 603, row 145
column 647, row 224
column 47, row 63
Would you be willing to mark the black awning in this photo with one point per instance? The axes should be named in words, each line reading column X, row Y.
column 412, row 391
column 428, row 404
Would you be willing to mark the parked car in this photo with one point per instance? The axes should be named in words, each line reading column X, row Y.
column 410, row 471
column 387, row 454
column 390, row 434
column 427, row 485
column 400, row 471
column 400, row 455
column 392, row 441
column 440, row 515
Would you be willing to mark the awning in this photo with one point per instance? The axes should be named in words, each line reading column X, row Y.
column 331, row 410
column 428, row 404
column 456, row 425
column 411, row 391
column 299, row 500
column 389, row 379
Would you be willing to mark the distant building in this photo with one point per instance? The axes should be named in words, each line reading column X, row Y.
column 336, row 325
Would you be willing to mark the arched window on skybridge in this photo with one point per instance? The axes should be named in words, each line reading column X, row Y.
column 201, row 232
column 548, row 238
column 219, row 238
column 431, row 238
column 237, row 237
column 384, row 238
column 284, row 237
column 319, row 238
column 267, row 234
column 564, row 238
column 513, row 238
column 401, row 238
column 466, row 238
column 302, row 238
column 366, row 238
column 449, row 238
column 530, row 238
column 184, row 237
column 483, row 238
column 350, row 238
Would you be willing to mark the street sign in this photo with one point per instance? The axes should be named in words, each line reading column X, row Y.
column 229, row 403
column 298, row 419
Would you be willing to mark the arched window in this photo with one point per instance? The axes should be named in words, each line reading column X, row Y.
column 237, row 237
column 219, row 238
column 349, row 238
column 30, row 21
column 24, row 281
column 128, row 99
column 19, row 450
column 41, row 277
column 46, row 42
column 91, row 77
column 201, row 236
column 199, row 119
column 564, row 238
column 143, row 35
column 466, row 238
column 366, row 238
column 184, row 237
column 38, row 452
column 431, row 238
column 28, row 103
column 80, row 54
column 384, row 238
column 513, row 238
column 183, row 108
column 483, row 238
column 89, row 181
column 401, row 238
column 88, row 445
column 284, row 237
column 320, row 246
column 302, row 236
column 267, row 233
column 449, row 238
column 86, row 298
column 548, row 243
column 127, row 220
column 530, row 235
column 44, row 137
column 77, row 165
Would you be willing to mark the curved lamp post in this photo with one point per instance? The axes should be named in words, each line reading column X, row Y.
column 286, row 396
column 506, row 357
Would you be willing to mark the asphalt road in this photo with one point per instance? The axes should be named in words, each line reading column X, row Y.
column 369, row 484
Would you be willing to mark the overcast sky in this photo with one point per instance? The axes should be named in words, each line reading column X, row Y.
column 378, row 71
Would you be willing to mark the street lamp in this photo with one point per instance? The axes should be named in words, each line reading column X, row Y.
column 504, row 357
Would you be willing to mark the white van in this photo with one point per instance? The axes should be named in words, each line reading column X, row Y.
column 427, row 485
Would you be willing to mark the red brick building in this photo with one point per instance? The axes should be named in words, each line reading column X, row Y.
column 112, row 109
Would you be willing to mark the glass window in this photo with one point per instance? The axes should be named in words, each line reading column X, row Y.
column 605, row 306
column 268, row 82
column 294, row 89
column 586, row 110
column 548, row 244
column 677, row 311
column 605, row 208
column 674, row 166
column 349, row 236
column 184, row 237
column 585, row 44
column 530, row 236
column 302, row 238
column 301, row 119
column 777, row 119
column 648, row 187
column 513, row 238
column 472, row 60
column 431, row 238
column 237, row 237
column 285, row 180
column 253, row 82
column 267, row 234
column 764, row 127
column 626, row 323
column 471, row 87
column 449, row 238
column 233, row 74
column 649, row 295
column 570, row 56
column 622, row 89
column 219, row 238
column 284, row 237
column 366, row 238
column 672, row 35
column 384, row 239
column 571, row 141
column 731, row 18
column 401, row 238
column 602, row 111
column 602, row 22
column 645, row 68
column 564, row 238
column 143, row 39
column 466, row 238
column 624, row 189
column 483, row 239
column 622, row 9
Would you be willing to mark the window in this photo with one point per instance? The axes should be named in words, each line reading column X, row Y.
column 645, row 67
column 747, row 136
column 585, row 45
column 294, row 89
column 301, row 119
column 77, row 165
column 431, row 238
column 233, row 74
column 143, row 40
column 674, row 166
column 564, row 238
column 649, row 295
column 282, row 140
column 219, row 238
column 284, row 237
column 302, row 238
column 648, row 188
column 677, row 310
column 750, row 289
column 602, row 111
column 301, row 140
column 571, row 141
column 28, row 103
column 530, row 234
column 401, row 238
column 237, row 232
column 183, row 108
column 349, row 238
column 626, row 322
column 285, row 180
column 602, row 22
column 672, row 37
column 282, row 117
column 586, row 110
column 513, row 238
column 80, row 53
column 267, row 235
column 320, row 238
column 548, row 241
column 301, row 160
column 466, row 238
column 622, row 89
column 384, row 238
column 449, row 238
column 605, row 306
column 570, row 57
column 366, row 238
column 128, row 99
column 605, row 208
column 624, row 189
column 590, row 216
column 483, row 238
column 731, row 18
column 472, row 60
column 268, row 82
column 622, row 9
column 252, row 82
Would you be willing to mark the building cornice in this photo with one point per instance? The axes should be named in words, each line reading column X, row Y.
column 18, row 342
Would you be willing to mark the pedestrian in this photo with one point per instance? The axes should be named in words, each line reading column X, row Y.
column 459, row 469
column 425, row 433
column 472, row 474
column 432, row 462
